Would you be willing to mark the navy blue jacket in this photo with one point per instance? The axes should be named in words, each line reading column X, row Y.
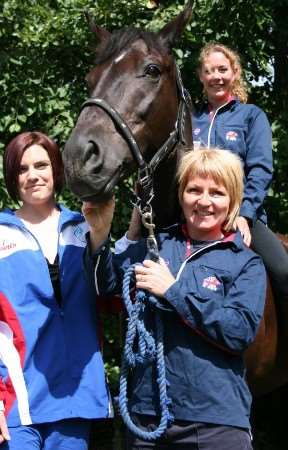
column 216, row 308
column 243, row 129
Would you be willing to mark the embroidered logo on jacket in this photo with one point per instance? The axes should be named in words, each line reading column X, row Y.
column 196, row 131
column 80, row 234
column 6, row 245
column 211, row 283
column 231, row 136
column 14, row 240
column 74, row 235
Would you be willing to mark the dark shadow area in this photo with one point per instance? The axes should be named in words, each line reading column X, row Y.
column 269, row 420
column 107, row 435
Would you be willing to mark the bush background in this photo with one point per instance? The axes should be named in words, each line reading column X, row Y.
column 46, row 49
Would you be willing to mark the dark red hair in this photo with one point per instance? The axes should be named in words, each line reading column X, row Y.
column 13, row 155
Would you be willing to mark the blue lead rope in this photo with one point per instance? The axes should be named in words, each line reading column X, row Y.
column 141, row 348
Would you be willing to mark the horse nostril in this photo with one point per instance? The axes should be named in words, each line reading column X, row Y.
column 91, row 149
column 93, row 158
column 91, row 152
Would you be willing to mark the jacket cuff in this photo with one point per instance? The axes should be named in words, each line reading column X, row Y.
column 122, row 244
column 2, row 407
column 104, row 246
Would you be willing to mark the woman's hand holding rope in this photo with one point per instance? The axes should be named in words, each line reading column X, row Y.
column 154, row 277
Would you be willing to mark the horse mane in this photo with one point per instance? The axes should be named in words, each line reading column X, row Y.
column 122, row 38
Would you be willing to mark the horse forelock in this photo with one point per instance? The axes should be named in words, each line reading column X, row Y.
column 121, row 39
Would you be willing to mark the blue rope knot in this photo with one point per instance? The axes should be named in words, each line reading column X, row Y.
column 140, row 348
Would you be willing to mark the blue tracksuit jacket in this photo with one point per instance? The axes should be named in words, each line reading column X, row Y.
column 243, row 129
column 217, row 303
column 51, row 366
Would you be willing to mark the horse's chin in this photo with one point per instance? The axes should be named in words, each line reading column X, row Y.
column 97, row 198
column 104, row 194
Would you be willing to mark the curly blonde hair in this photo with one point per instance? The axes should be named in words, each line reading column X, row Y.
column 239, row 88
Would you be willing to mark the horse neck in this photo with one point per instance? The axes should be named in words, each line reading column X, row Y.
column 166, row 205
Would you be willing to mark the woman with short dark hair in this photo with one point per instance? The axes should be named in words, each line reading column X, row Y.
column 13, row 155
column 52, row 374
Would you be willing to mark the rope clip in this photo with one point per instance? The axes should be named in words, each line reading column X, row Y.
column 151, row 242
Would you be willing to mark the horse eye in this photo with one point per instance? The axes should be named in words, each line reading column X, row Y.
column 152, row 71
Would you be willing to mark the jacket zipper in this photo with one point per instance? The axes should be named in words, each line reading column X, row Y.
column 191, row 256
column 212, row 122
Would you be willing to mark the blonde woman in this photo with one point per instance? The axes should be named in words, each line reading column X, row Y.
column 226, row 120
column 206, row 276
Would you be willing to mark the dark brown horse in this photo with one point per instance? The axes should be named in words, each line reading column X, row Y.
column 136, row 99
column 136, row 79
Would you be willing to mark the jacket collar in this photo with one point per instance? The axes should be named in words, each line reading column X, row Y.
column 232, row 239
column 205, row 108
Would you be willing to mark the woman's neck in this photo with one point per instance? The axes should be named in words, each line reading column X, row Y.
column 215, row 104
column 201, row 235
column 37, row 213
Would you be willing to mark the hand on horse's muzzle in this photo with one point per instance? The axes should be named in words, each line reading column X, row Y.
column 99, row 217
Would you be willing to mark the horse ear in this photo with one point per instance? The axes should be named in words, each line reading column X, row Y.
column 101, row 33
column 171, row 32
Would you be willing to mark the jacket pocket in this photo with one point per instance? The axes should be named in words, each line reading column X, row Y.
column 211, row 282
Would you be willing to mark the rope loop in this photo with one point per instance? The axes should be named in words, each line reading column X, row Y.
column 140, row 348
column 136, row 335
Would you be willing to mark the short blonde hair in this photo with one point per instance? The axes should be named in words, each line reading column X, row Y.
column 239, row 88
column 223, row 167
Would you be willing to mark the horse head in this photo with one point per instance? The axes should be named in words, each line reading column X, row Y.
column 135, row 89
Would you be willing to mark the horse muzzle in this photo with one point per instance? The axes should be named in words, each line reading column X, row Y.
column 89, row 172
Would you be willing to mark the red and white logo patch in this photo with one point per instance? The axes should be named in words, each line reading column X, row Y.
column 231, row 136
column 211, row 283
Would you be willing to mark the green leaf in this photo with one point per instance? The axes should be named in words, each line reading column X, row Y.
column 14, row 128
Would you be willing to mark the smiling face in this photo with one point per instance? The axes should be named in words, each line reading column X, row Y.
column 205, row 206
column 217, row 76
column 35, row 179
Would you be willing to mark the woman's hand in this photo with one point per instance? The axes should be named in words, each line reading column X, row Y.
column 99, row 218
column 243, row 226
column 154, row 277
column 134, row 230
column 4, row 434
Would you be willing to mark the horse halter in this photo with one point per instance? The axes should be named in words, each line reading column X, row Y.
column 147, row 169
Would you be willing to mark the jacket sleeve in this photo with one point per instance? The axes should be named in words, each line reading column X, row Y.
column 99, row 268
column 258, row 166
column 104, row 276
column 105, row 269
column 230, row 322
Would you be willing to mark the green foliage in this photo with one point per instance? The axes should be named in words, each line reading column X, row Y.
column 46, row 49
